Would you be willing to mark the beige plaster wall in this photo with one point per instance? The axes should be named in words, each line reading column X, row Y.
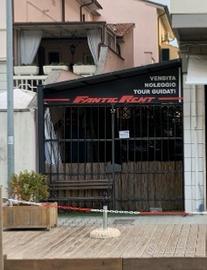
column 25, row 144
column 48, row 11
column 145, row 19
column 72, row 11
column 113, row 62
column 37, row 10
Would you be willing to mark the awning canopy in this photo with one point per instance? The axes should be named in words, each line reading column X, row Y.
column 197, row 70
column 152, row 84
column 59, row 29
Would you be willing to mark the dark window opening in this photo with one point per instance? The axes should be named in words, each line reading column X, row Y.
column 165, row 55
column 54, row 57
column 118, row 49
column 83, row 18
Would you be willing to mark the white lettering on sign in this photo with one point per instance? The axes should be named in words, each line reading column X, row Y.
column 158, row 86
column 161, row 84
column 162, row 78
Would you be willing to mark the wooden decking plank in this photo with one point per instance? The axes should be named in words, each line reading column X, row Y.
column 182, row 242
column 201, row 241
column 70, row 239
column 173, row 241
column 153, row 245
column 17, row 243
column 146, row 238
column 136, row 241
column 142, row 241
column 135, row 238
column 164, row 240
column 72, row 247
column 37, row 245
column 41, row 245
column 191, row 243
column 118, row 249
column 106, row 247
column 101, row 247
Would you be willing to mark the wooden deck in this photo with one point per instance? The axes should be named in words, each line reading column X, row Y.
column 137, row 241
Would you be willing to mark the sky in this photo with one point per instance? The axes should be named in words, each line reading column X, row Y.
column 165, row 2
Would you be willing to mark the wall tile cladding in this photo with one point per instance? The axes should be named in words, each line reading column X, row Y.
column 194, row 147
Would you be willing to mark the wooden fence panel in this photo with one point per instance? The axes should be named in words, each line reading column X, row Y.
column 138, row 186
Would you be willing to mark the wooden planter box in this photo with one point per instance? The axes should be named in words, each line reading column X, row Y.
column 30, row 217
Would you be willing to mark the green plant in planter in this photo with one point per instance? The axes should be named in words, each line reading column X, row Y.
column 29, row 186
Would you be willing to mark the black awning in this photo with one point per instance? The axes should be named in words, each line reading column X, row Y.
column 147, row 84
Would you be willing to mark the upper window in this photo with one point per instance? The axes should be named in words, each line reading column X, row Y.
column 165, row 55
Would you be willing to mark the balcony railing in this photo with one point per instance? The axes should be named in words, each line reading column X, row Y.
column 29, row 82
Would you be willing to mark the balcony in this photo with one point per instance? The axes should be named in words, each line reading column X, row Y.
column 74, row 48
column 29, row 79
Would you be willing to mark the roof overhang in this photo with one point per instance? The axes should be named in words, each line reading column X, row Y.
column 92, row 5
column 107, row 77
column 59, row 29
column 121, row 29
column 190, row 27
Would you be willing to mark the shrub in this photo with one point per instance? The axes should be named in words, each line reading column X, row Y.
column 29, row 186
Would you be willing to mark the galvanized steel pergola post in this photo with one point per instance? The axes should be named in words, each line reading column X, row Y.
column 1, row 234
column 10, row 105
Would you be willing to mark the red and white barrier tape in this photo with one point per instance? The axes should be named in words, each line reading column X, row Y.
column 91, row 210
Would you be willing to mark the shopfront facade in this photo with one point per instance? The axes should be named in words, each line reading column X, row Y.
column 125, row 127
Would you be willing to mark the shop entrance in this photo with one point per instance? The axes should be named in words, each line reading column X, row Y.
column 138, row 148
column 115, row 138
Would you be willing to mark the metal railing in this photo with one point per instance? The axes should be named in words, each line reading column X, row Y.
column 29, row 82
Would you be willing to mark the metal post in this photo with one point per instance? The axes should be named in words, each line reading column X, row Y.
column 10, row 105
column 105, row 217
column 113, row 149
column 41, row 151
column 1, row 233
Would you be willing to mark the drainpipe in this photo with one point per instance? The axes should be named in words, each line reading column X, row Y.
column 158, row 24
column 85, row 5
column 63, row 10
